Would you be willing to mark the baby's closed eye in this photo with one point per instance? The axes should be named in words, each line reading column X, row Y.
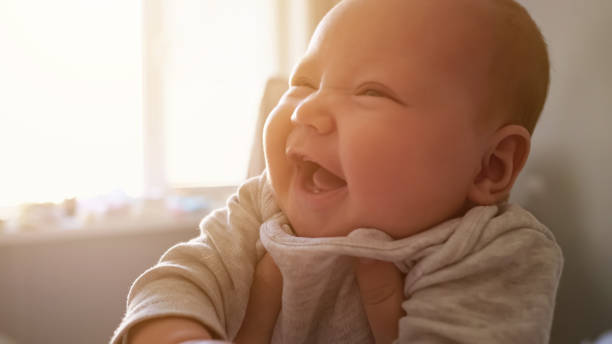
column 377, row 90
column 372, row 93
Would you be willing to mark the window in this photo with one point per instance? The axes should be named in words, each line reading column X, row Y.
column 216, row 58
column 129, row 95
column 71, row 98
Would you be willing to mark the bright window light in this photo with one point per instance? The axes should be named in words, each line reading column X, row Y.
column 216, row 58
column 72, row 107
column 70, row 90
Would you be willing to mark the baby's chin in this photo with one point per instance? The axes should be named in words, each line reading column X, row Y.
column 309, row 226
column 309, row 229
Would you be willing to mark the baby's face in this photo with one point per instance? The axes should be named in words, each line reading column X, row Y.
column 379, row 127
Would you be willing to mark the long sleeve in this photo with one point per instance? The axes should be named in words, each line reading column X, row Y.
column 500, row 289
column 209, row 277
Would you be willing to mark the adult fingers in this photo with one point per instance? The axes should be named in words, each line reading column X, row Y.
column 381, row 286
column 264, row 303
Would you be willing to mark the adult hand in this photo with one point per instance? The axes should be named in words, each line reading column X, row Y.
column 382, row 292
column 264, row 303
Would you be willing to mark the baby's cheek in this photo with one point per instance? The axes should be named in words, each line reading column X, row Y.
column 276, row 130
column 392, row 199
column 378, row 188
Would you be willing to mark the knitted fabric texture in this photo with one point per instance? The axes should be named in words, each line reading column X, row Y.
column 490, row 276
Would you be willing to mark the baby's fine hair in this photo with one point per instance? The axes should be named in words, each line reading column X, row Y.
column 522, row 71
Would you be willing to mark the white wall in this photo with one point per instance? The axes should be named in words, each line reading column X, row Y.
column 567, row 182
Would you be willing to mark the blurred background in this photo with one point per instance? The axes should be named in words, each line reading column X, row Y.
column 123, row 123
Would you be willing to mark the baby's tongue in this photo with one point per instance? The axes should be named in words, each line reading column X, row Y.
column 325, row 180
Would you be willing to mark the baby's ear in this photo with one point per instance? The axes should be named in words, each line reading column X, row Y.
column 501, row 164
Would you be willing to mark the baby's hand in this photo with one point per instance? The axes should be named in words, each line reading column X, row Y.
column 382, row 292
column 264, row 304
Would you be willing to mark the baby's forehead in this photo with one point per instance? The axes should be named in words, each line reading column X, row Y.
column 492, row 45
column 452, row 35
column 411, row 26
column 442, row 13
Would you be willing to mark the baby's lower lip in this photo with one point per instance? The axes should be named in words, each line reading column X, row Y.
column 313, row 195
column 324, row 180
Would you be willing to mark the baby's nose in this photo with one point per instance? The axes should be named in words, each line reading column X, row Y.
column 315, row 112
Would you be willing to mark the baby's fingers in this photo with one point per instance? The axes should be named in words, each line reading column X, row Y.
column 381, row 285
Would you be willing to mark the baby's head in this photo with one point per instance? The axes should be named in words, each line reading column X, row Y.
column 405, row 113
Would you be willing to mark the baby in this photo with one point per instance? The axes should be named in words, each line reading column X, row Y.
column 382, row 214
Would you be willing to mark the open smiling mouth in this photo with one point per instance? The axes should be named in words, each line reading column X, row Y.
column 317, row 179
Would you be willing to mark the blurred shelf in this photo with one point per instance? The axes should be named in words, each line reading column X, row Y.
column 108, row 228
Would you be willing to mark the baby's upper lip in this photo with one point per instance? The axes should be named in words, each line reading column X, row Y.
column 299, row 154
